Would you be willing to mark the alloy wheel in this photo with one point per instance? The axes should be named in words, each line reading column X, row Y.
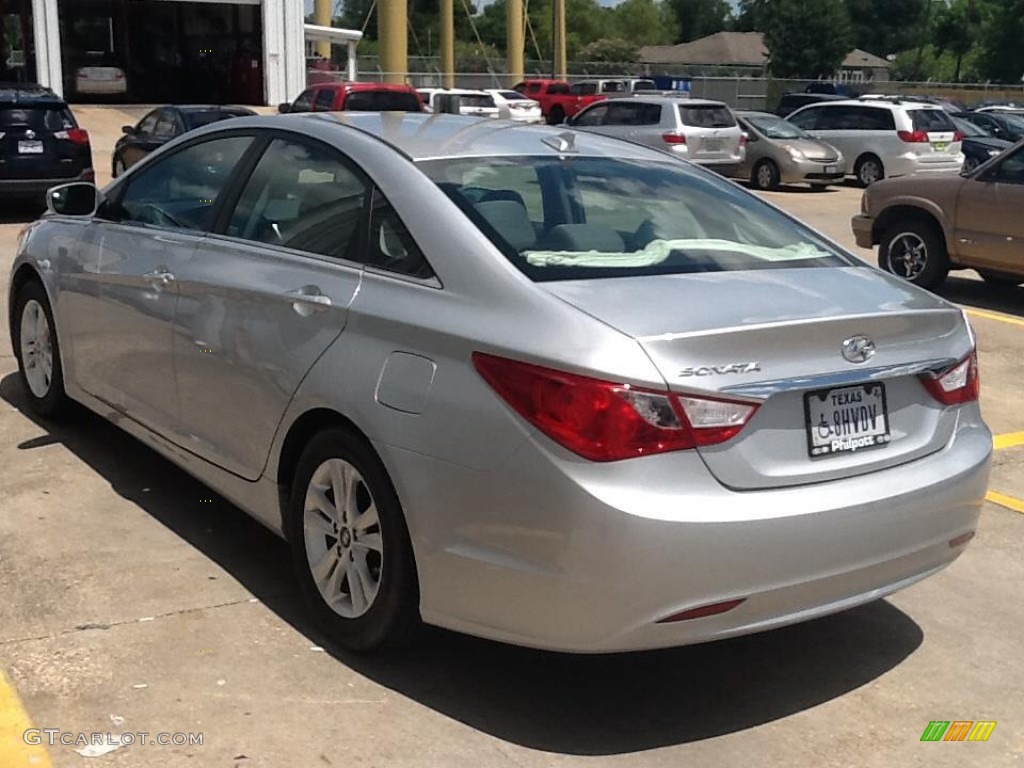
column 870, row 172
column 908, row 255
column 764, row 176
column 344, row 543
column 36, row 348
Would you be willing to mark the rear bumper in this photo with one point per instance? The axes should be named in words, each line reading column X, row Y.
column 905, row 165
column 551, row 552
column 863, row 230
column 36, row 187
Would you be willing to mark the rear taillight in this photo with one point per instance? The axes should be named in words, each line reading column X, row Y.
column 958, row 136
column 673, row 138
column 743, row 139
column 74, row 135
column 607, row 421
column 913, row 137
column 957, row 385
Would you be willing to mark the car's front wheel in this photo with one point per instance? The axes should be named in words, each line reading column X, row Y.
column 765, row 176
column 38, row 351
column 915, row 251
column 350, row 544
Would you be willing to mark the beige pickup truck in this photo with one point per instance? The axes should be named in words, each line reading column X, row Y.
column 926, row 226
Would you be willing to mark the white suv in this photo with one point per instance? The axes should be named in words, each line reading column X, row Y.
column 886, row 136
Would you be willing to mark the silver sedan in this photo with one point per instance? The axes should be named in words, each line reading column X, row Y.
column 779, row 152
column 534, row 385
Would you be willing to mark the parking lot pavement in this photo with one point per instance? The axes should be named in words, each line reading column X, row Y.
column 132, row 592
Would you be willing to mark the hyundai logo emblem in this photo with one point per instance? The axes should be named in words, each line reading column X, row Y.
column 858, row 349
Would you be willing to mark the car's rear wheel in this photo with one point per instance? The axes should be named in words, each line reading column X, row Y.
column 869, row 170
column 1000, row 279
column 556, row 116
column 350, row 544
column 38, row 351
column 915, row 251
column 970, row 164
column 765, row 176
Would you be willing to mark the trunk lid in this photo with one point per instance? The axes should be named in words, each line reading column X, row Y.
column 776, row 335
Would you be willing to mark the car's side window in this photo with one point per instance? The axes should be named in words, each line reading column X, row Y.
column 648, row 114
column 305, row 101
column 391, row 246
column 808, row 119
column 875, row 119
column 593, row 116
column 1010, row 170
column 621, row 113
column 324, row 100
column 180, row 191
column 839, row 119
column 305, row 197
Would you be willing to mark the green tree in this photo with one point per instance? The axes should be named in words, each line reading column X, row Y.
column 1001, row 41
column 753, row 16
column 886, row 27
column 643, row 22
column 955, row 31
column 807, row 38
column 610, row 49
column 699, row 18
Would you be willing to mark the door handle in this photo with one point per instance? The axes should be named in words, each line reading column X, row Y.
column 308, row 299
column 159, row 277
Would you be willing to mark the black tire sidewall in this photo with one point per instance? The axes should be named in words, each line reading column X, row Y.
column 394, row 616
column 860, row 168
column 55, row 402
column 936, row 261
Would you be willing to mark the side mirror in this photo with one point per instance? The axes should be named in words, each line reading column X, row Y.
column 78, row 199
column 128, row 130
column 284, row 108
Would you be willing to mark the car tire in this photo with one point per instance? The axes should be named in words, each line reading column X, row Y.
column 118, row 167
column 970, row 163
column 37, row 351
column 869, row 170
column 556, row 116
column 915, row 250
column 356, row 573
column 1000, row 280
column 765, row 176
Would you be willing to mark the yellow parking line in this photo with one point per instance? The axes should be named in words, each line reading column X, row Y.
column 1009, row 440
column 14, row 752
column 1005, row 501
column 995, row 316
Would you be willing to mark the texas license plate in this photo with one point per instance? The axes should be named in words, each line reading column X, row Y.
column 846, row 420
column 830, row 170
column 940, row 146
column 30, row 147
column 712, row 145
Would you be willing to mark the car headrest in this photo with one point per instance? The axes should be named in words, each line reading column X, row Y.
column 511, row 220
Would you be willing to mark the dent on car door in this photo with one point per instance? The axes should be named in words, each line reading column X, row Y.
column 990, row 229
column 264, row 296
column 121, row 324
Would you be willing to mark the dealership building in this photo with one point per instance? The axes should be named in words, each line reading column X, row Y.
column 157, row 51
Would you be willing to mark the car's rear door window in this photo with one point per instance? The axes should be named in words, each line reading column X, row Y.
column 324, row 101
column 875, row 119
column 706, row 116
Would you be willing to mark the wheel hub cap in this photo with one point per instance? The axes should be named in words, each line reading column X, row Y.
column 344, row 545
column 908, row 256
column 36, row 348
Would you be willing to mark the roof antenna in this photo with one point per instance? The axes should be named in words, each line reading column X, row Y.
column 562, row 142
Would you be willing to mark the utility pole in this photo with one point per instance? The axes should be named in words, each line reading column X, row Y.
column 515, row 23
column 322, row 17
column 558, row 39
column 394, row 39
column 448, row 43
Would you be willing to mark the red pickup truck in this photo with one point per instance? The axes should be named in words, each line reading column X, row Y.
column 355, row 97
column 559, row 100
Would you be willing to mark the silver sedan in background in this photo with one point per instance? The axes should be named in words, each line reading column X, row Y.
column 779, row 152
column 541, row 386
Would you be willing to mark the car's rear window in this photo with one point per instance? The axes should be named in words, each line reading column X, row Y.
column 383, row 101
column 644, row 85
column 929, row 120
column 591, row 217
column 706, row 116
column 36, row 118
column 475, row 100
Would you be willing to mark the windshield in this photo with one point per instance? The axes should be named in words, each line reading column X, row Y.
column 591, row 217
column 776, row 128
column 383, row 101
column 513, row 96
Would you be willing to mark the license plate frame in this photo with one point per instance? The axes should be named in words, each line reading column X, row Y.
column 29, row 147
column 835, row 444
